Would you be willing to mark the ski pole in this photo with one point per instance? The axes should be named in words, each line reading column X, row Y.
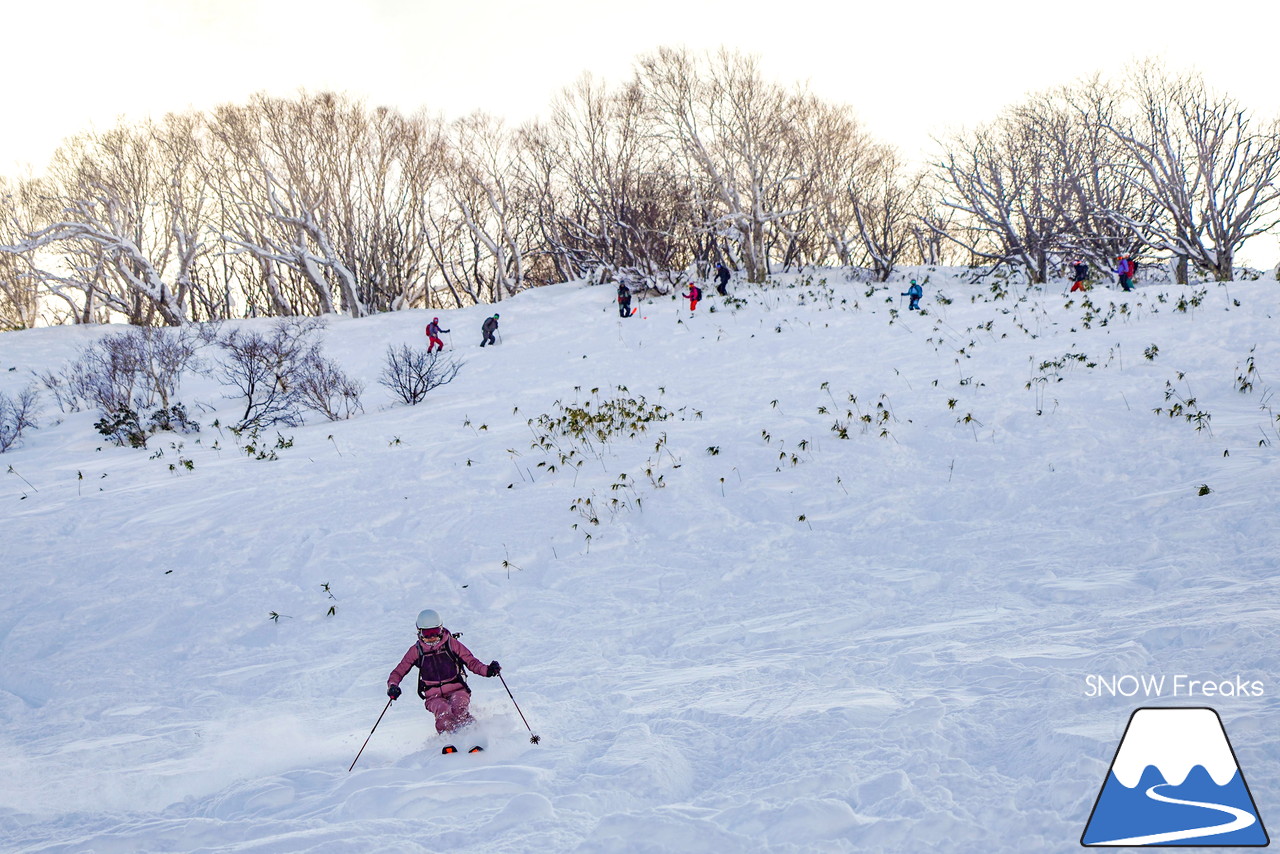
column 533, row 739
column 366, row 741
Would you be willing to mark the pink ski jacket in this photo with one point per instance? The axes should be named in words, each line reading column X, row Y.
column 420, row 648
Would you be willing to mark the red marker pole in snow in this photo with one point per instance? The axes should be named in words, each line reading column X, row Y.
column 533, row 739
column 366, row 741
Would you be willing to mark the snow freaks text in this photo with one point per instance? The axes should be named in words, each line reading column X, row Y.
column 1179, row 685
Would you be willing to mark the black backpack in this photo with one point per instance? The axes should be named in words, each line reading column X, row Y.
column 439, row 666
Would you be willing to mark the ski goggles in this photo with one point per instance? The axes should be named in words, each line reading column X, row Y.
column 432, row 634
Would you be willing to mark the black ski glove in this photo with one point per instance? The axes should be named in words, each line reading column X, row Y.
column 494, row 668
column 394, row 692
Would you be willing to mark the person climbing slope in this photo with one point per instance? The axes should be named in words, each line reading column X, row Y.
column 694, row 294
column 489, row 327
column 442, row 684
column 1079, row 272
column 722, row 280
column 433, row 334
column 915, row 292
column 1124, row 272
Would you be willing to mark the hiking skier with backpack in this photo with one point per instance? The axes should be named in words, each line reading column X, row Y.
column 1079, row 272
column 624, row 300
column 442, row 684
column 1125, row 268
column 915, row 292
column 722, row 280
column 694, row 294
column 433, row 334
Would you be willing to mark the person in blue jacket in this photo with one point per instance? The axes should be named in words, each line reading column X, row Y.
column 915, row 292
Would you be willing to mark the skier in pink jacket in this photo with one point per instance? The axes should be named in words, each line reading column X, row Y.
column 442, row 684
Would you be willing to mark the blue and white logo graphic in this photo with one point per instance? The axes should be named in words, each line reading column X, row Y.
column 1175, row 781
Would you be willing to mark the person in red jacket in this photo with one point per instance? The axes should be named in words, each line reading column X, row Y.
column 433, row 334
column 694, row 294
column 442, row 684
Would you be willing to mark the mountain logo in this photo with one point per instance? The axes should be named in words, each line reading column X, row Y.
column 1175, row 781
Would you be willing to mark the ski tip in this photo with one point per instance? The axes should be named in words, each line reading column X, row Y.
column 449, row 748
column 476, row 749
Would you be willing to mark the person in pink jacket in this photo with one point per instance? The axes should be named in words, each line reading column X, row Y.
column 442, row 684
column 433, row 335
column 694, row 294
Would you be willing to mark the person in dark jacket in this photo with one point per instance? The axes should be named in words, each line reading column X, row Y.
column 722, row 279
column 490, row 326
column 440, row 658
column 1079, row 272
column 433, row 334
column 624, row 300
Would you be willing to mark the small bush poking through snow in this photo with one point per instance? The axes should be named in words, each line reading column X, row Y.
column 411, row 372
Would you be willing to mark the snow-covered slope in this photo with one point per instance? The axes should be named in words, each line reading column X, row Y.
column 777, row 639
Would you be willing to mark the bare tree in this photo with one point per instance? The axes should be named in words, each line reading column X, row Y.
column 883, row 210
column 1093, row 165
column 609, row 203
column 406, row 157
column 129, row 225
column 835, row 152
column 1200, row 159
column 293, row 162
column 20, row 202
column 932, row 223
column 489, row 203
column 327, row 200
column 731, row 131
column 1008, row 185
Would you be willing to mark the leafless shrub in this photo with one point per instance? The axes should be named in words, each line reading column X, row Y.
column 137, row 369
column 267, row 370
column 111, row 373
column 164, row 355
column 67, row 385
column 133, row 379
column 15, row 416
column 412, row 372
column 323, row 387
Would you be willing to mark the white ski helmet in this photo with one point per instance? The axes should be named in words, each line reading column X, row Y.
column 429, row 619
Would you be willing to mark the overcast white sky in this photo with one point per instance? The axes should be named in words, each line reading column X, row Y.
column 907, row 68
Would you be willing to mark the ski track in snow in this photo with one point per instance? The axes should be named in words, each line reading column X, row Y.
column 1240, row 819
column 901, row 670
